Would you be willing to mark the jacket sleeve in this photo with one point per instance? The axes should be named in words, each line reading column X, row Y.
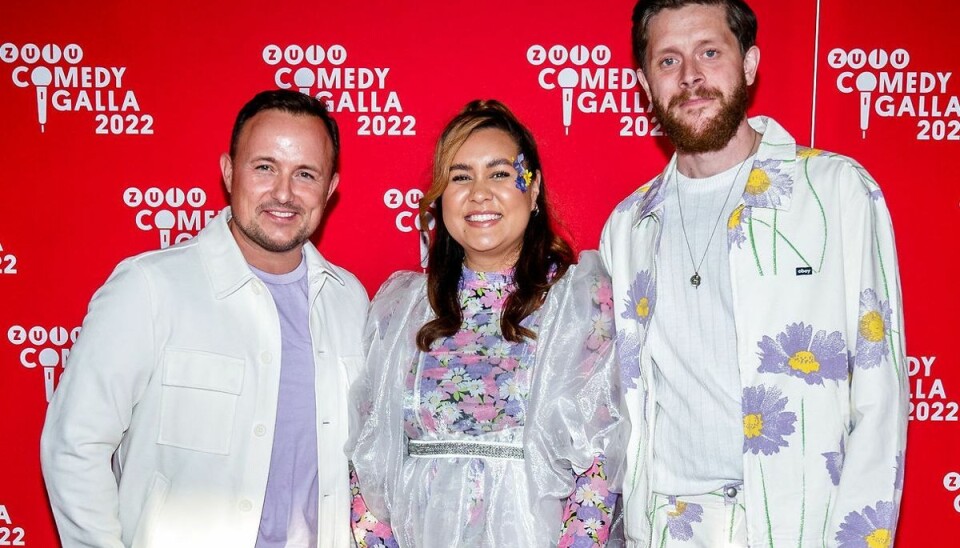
column 106, row 373
column 871, row 478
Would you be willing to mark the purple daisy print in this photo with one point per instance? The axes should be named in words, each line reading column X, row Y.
column 798, row 352
column 641, row 297
column 681, row 518
column 736, row 235
column 872, row 329
column 869, row 528
column 767, row 184
column 632, row 199
column 655, row 197
column 835, row 463
column 639, row 195
column 765, row 423
column 628, row 352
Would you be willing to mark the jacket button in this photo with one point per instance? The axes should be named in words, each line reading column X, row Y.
column 259, row 430
column 266, row 357
column 245, row 505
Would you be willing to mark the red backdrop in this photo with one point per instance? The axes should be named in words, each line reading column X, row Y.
column 114, row 116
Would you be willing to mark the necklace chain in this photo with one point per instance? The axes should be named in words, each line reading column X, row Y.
column 695, row 279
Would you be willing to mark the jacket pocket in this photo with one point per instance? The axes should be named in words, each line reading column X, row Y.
column 199, row 400
column 150, row 514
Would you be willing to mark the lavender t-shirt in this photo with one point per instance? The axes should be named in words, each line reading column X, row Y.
column 290, row 504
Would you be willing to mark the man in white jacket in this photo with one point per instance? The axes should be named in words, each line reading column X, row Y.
column 204, row 402
column 758, row 309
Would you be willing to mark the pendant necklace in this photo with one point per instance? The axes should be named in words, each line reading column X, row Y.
column 695, row 279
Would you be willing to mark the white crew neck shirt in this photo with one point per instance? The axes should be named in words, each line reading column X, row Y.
column 698, row 440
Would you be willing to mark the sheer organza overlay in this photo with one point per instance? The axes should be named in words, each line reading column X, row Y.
column 571, row 416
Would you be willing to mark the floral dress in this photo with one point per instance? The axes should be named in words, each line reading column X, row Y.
column 473, row 389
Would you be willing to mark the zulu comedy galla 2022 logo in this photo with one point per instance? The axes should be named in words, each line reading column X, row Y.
column 930, row 401
column 589, row 87
column 176, row 214
column 889, row 84
column 64, row 83
column 323, row 71
column 43, row 348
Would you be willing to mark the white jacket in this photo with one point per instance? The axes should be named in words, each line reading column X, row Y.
column 819, row 341
column 175, row 376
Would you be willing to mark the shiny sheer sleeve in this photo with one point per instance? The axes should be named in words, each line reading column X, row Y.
column 575, row 432
column 378, row 443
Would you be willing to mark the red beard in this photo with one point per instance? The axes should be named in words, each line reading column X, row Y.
column 717, row 132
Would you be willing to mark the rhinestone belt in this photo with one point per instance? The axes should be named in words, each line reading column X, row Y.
column 427, row 449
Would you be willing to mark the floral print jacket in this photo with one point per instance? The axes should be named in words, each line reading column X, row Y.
column 819, row 338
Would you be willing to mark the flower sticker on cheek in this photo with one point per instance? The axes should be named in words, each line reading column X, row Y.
column 524, row 176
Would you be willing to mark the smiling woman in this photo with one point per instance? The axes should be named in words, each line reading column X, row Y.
column 489, row 223
column 491, row 396
column 485, row 210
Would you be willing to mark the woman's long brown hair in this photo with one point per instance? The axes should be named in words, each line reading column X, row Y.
column 544, row 255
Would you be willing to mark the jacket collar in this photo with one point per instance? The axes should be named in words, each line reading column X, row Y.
column 318, row 268
column 770, row 184
column 228, row 271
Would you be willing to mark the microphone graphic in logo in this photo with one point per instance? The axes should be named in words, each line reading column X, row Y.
column 49, row 358
column 164, row 221
column 866, row 83
column 567, row 79
column 304, row 79
column 41, row 77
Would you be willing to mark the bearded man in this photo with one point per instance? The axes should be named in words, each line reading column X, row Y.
column 759, row 315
